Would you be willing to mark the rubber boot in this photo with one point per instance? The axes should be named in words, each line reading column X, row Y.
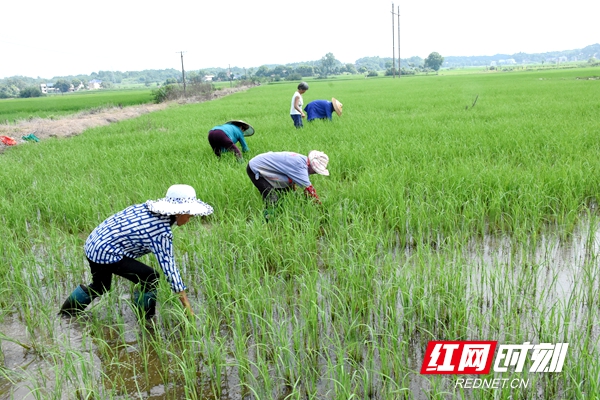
column 145, row 302
column 76, row 302
column 269, row 214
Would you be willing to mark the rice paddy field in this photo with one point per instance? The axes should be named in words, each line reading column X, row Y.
column 54, row 106
column 459, row 208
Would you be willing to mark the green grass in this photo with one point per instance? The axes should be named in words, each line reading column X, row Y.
column 12, row 110
column 444, row 218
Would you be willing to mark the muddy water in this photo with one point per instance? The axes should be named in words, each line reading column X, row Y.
column 559, row 272
column 550, row 273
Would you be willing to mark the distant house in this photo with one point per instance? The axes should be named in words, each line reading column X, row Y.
column 48, row 88
column 508, row 61
column 208, row 78
column 94, row 84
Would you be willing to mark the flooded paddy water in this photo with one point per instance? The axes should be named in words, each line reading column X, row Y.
column 495, row 288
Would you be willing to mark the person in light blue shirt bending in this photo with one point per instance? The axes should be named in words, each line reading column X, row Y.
column 275, row 173
column 223, row 138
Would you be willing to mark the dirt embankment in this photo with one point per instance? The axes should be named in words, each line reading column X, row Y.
column 71, row 125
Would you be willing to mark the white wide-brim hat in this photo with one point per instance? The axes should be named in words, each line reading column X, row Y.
column 318, row 161
column 337, row 106
column 180, row 199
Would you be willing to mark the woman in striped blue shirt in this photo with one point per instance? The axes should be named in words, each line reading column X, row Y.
column 114, row 245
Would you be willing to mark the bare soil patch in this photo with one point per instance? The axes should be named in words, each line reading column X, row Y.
column 75, row 124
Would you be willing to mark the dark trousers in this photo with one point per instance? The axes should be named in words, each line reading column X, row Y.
column 269, row 194
column 219, row 140
column 128, row 268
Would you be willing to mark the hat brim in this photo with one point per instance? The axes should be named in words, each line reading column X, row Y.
column 247, row 129
column 337, row 106
column 167, row 206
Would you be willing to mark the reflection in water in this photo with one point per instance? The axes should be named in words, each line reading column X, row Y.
column 495, row 288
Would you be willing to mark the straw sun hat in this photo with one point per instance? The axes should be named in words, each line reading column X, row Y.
column 318, row 161
column 246, row 127
column 337, row 106
column 180, row 199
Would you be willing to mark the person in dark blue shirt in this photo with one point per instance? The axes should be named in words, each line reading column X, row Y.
column 321, row 109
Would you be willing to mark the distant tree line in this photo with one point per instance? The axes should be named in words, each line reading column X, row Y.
column 586, row 54
column 21, row 86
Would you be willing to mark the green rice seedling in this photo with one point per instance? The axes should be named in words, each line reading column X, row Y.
column 55, row 106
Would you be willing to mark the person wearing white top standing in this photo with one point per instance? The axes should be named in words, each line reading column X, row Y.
column 297, row 102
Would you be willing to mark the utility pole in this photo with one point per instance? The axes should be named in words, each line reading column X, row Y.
column 399, row 69
column 182, row 72
column 393, row 33
column 393, row 45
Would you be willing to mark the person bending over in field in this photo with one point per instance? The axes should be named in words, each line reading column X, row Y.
column 114, row 245
column 321, row 109
column 222, row 138
column 274, row 173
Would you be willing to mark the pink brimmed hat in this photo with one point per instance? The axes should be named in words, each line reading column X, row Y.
column 318, row 161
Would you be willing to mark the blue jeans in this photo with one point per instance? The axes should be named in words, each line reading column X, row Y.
column 297, row 118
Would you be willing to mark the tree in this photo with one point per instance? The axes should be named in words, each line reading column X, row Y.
column 263, row 71
column 305, row 70
column 434, row 61
column 222, row 76
column 62, row 85
column 328, row 63
column 350, row 68
column 9, row 91
column 30, row 91
column 293, row 77
column 281, row 70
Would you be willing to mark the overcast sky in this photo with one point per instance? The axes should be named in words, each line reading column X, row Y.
column 68, row 37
